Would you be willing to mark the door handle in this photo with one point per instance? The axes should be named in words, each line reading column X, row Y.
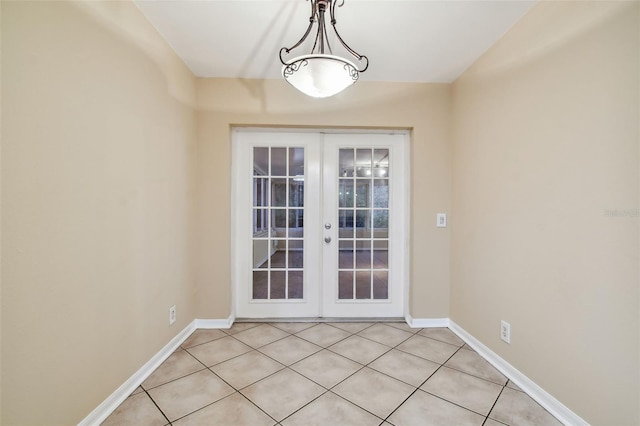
column 327, row 240
column 327, row 225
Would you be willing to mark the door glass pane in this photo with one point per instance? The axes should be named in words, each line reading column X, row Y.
column 363, row 224
column 380, row 254
column 362, row 193
column 346, row 167
column 260, row 192
column 345, row 285
column 346, row 194
column 278, row 161
column 363, row 260
column 296, row 162
column 260, row 284
column 296, row 254
column 278, row 192
column 381, row 193
column 363, row 255
column 261, row 253
column 380, row 284
column 279, row 220
column 381, row 162
column 363, row 162
column 260, row 223
column 381, row 223
column 278, row 285
column 278, row 256
column 295, row 285
column 345, row 255
column 296, row 192
column 363, row 285
column 278, row 223
column 296, row 223
column 260, row 161
column 345, row 223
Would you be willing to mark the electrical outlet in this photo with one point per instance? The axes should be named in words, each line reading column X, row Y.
column 172, row 314
column 505, row 331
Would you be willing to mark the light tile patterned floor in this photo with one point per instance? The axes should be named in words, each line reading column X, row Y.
column 327, row 374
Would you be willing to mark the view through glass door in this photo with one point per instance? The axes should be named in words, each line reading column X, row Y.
column 363, row 204
column 319, row 224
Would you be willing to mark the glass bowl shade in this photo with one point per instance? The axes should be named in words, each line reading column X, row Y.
column 320, row 75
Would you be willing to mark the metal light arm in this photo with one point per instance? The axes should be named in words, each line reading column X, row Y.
column 344, row 44
column 318, row 9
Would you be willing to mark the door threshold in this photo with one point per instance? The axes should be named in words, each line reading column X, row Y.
column 322, row 319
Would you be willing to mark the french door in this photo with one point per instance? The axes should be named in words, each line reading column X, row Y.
column 319, row 224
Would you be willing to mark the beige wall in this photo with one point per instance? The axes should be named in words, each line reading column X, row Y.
column 98, row 184
column 545, row 144
column 424, row 108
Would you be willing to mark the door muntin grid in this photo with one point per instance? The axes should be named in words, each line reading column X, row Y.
column 363, row 224
column 278, row 224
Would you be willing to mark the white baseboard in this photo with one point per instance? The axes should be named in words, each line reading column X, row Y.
column 109, row 405
column 426, row 322
column 215, row 323
column 551, row 404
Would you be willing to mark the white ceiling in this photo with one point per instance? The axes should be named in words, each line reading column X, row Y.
column 405, row 40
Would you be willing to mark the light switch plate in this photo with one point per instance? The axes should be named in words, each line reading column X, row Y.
column 441, row 220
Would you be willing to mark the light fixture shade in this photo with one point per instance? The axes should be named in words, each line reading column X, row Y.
column 319, row 75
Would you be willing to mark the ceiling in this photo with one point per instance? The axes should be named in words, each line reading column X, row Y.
column 405, row 40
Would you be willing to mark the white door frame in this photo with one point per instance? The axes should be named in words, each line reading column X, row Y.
column 239, row 236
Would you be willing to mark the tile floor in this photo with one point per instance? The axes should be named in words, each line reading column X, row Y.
column 327, row 374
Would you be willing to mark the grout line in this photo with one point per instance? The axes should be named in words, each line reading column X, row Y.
column 386, row 419
column 256, row 405
column 420, row 385
column 392, row 347
column 176, row 378
column 257, row 381
column 158, row 407
column 237, row 390
column 388, row 349
column 300, row 408
column 362, row 408
column 331, row 344
column 229, row 359
column 266, row 344
column 228, row 330
column 477, row 377
column 295, row 362
column 199, row 344
column 332, row 324
column 494, row 404
column 422, row 357
column 455, row 403
column 441, row 341
column 310, row 324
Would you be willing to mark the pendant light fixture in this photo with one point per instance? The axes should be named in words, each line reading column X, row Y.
column 321, row 73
